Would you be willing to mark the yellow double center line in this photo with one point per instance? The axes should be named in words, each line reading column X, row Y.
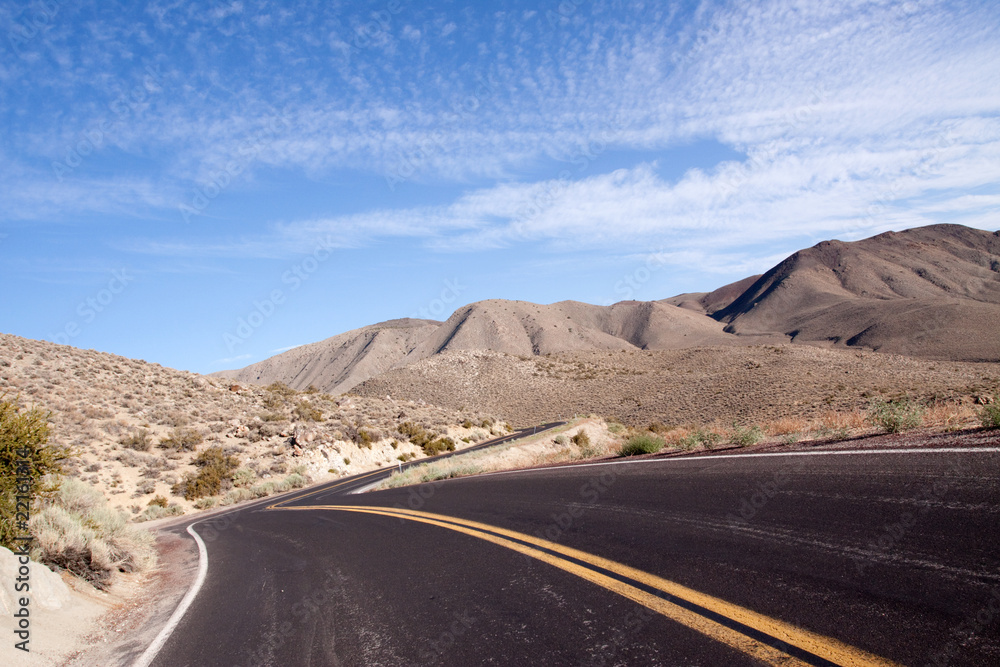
column 769, row 640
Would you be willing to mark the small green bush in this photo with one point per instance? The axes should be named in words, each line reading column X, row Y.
column 439, row 446
column 561, row 439
column 990, row 414
column 745, row 436
column 364, row 439
column 24, row 436
column 244, row 477
column 897, row 415
column 217, row 470
column 647, row 443
column 414, row 433
column 699, row 438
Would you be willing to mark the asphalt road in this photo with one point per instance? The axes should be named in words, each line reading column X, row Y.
column 868, row 558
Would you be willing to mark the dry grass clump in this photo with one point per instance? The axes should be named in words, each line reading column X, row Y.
column 77, row 531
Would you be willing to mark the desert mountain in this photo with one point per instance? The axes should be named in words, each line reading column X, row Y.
column 343, row 361
column 516, row 328
column 931, row 292
column 524, row 329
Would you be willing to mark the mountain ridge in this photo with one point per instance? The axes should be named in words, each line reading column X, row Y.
column 931, row 292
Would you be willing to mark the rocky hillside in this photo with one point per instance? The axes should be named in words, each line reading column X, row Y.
column 136, row 428
column 336, row 364
column 931, row 292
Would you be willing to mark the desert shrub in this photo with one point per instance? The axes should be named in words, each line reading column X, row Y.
column 272, row 417
column 281, row 389
column 138, row 440
column 145, row 487
column 158, row 501
column 216, row 470
column 439, row 446
column 561, row 439
column 645, row 443
column 78, row 532
column 615, row 427
column 305, row 411
column 989, row 415
column 294, row 481
column 467, row 423
column 895, row 416
column 236, row 496
column 244, row 477
column 404, row 457
column 364, row 439
column 206, row 503
column 581, row 439
column 158, row 512
column 745, row 436
column 182, row 440
column 699, row 438
column 131, row 459
column 414, row 433
column 26, row 460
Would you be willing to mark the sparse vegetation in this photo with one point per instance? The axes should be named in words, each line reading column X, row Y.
column 76, row 531
column 645, row 443
column 895, row 416
column 989, row 414
column 581, row 439
column 745, row 436
column 699, row 438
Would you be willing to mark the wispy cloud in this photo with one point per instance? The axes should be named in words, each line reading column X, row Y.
column 232, row 360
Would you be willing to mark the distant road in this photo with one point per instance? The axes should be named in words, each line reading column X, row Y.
column 876, row 557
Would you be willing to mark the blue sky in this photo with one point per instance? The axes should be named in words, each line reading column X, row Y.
column 204, row 184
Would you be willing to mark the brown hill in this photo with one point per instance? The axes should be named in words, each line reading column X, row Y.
column 711, row 302
column 522, row 328
column 513, row 327
column 931, row 292
column 341, row 362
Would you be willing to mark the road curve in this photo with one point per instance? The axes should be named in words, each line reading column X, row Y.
column 877, row 557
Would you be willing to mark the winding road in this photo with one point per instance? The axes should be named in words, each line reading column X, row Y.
column 823, row 557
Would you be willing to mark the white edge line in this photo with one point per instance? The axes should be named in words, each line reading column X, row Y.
column 724, row 457
column 150, row 653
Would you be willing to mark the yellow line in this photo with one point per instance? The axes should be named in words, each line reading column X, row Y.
column 824, row 647
column 323, row 490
